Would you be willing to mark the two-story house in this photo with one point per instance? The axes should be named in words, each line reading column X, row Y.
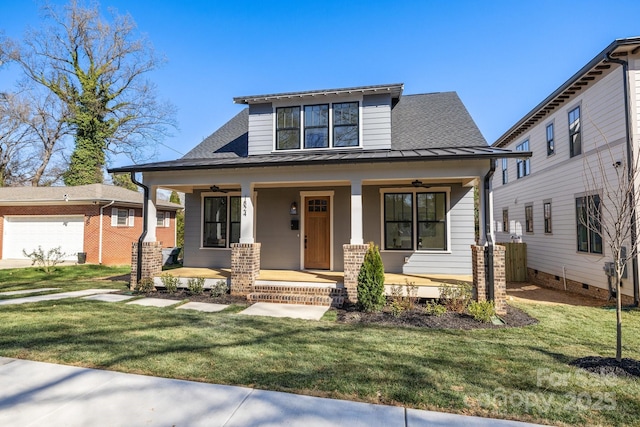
column 579, row 135
column 303, row 180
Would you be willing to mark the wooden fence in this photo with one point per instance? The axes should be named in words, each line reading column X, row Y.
column 516, row 261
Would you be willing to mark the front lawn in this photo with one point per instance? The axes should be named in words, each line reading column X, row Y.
column 515, row 373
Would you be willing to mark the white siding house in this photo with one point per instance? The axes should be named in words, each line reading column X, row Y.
column 535, row 200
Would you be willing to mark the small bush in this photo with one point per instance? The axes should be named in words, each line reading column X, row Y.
column 196, row 285
column 170, row 282
column 456, row 298
column 145, row 285
column 482, row 311
column 220, row 288
column 401, row 302
column 371, row 281
column 434, row 309
column 47, row 260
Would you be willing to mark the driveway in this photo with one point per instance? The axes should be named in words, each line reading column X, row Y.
column 14, row 263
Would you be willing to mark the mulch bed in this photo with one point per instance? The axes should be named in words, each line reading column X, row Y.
column 609, row 366
column 417, row 318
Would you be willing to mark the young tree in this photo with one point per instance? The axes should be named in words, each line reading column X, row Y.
column 370, row 289
column 97, row 68
column 123, row 180
column 607, row 210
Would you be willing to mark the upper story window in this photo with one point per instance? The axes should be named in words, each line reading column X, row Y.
column 523, row 166
column 505, row 172
column 575, row 140
column 316, row 126
column 324, row 126
column 288, row 128
column 550, row 140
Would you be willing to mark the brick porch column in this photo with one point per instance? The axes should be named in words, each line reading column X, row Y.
column 151, row 261
column 499, row 276
column 245, row 267
column 353, row 258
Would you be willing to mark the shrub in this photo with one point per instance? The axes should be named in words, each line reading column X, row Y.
column 434, row 309
column 401, row 302
column 196, row 285
column 48, row 260
column 371, row 281
column 145, row 285
column 220, row 288
column 170, row 282
column 457, row 297
column 482, row 311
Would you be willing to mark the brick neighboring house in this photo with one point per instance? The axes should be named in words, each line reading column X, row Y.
column 100, row 220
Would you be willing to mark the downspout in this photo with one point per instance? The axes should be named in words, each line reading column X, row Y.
column 487, row 230
column 100, row 233
column 145, row 225
column 630, row 173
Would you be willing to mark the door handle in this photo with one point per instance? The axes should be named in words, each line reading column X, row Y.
column 305, row 242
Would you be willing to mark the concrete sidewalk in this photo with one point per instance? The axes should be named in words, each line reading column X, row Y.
column 35, row 394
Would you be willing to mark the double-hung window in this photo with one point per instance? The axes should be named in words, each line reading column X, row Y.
column 575, row 139
column 221, row 221
column 163, row 219
column 345, row 124
column 288, row 128
column 523, row 167
column 547, row 217
column 505, row 171
column 528, row 218
column 122, row 217
column 415, row 221
column 318, row 126
column 588, row 214
column 550, row 140
column 505, row 220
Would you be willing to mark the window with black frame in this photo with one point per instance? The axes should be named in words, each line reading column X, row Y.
column 345, row 124
column 288, row 128
column 398, row 221
column 221, row 221
column 432, row 221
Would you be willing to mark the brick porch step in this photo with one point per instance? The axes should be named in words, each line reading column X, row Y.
column 301, row 294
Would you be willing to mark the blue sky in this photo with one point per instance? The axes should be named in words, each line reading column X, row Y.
column 502, row 57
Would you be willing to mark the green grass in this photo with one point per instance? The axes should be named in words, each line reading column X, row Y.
column 67, row 278
column 519, row 373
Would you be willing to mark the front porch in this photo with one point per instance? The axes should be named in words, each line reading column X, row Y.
column 315, row 286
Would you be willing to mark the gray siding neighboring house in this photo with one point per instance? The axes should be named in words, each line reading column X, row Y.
column 557, row 177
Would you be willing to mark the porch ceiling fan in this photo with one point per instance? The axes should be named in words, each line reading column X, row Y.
column 216, row 189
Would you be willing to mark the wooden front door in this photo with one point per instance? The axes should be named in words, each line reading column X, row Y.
column 317, row 240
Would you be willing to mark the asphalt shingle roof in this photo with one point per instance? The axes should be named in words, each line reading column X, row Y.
column 80, row 193
column 433, row 125
column 433, row 120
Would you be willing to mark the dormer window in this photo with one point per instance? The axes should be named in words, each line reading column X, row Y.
column 342, row 118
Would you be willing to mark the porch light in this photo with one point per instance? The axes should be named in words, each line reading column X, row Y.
column 293, row 210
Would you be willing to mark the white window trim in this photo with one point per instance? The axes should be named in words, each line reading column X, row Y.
column 303, row 196
column 131, row 213
column 276, row 105
column 414, row 191
column 166, row 222
column 212, row 194
column 555, row 140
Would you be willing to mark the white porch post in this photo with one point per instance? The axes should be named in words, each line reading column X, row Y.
column 356, row 213
column 482, row 220
column 246, row 213
column 151, row 215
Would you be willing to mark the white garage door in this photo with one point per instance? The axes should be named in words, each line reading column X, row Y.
column 29, row 232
